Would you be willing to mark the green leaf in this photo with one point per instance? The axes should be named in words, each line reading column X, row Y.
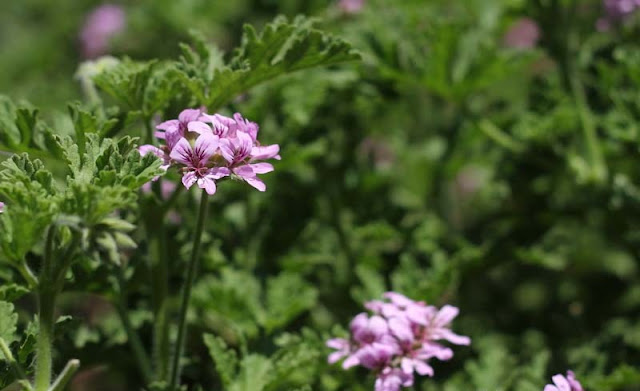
column 11, row 292
column 8, row 322
column 236, row 295
column 25, row 122
column 623, row 376
column 27, row 189
column 281, row 305
column 282, row 47
column 255, row 374
column 85, row 122
column 126, row 82
column 226, row 359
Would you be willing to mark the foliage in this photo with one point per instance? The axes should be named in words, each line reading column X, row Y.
column 420, row 153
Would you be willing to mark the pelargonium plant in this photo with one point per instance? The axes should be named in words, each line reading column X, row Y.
column 564, row 383
column 211, row 147
column 397, row 339
column 207, row 148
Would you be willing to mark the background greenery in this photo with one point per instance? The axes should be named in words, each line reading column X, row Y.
column 444, row 165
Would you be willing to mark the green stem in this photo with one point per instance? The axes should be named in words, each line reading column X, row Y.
column 186, row 291
column 66, row 260
column 139, row 353
column 65, row 376
column 149, row 131
column 161, row 347
column 27, row 274
column 46, row 304
column 19, row 372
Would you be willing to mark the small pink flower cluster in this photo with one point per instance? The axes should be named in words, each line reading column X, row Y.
column 351, row 6
column 101, row 25
column 207, row 148
column 523, row 34
column 1, row 207
column 397, row 339
column 616, row 10
column 568, row 383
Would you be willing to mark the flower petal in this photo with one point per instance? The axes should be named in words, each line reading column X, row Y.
column 189, row 115
column 422, row 368
column 256, row 183
column 218, row 172
column 226, row 148
column 206, row 146
column 208, row 184
column 455, row 338
column 199, row 127
column 188, row 179
column 265, row 152
column 561, row 383
column 261, row 168
column 182, row 152
column 446, row 315
column 170, row 126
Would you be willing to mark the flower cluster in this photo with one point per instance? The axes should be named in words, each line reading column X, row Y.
column 523, row 34
column 1, row 207
column 616, row 10
column 207, row 148
column 562, row 383
column 398, row 338
column 351, row 6
column 101, row 25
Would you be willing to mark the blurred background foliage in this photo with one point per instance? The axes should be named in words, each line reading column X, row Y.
column 483, row 153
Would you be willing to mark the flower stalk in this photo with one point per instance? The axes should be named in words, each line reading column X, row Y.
column 186, row 291
column 46, row 306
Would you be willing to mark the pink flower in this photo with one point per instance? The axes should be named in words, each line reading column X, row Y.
column 438, row 327
column 523, row 34
column 562, row 383
column 196, row 160
column 366, row 330
column 351, row 6
column 391, row 379
column 397, row 340
column 1, row 207
column 376, row 355
column 616, row 11
column 210, row 147
column 237, row 151
column 100, row 26
column 173, row 130
column 342, row 346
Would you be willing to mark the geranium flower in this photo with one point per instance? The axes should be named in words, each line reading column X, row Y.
column 568, row 383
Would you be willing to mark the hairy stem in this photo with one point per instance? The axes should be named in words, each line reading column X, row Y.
column 65, row 376
column 186, row 291
column 46, row 306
